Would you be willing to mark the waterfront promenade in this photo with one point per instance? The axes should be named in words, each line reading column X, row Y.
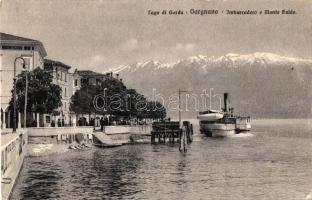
column 13, row 151
column 7, row 138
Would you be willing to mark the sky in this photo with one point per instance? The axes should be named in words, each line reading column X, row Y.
column 101, row 34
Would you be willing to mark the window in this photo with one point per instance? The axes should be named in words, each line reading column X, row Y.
column 58, row 75
column 48, row 119
column 84, row 81
column 65, row 76
column 65, row 92
column 2, row 160
column 65, row 105
column 28, row 48
column 12, row 47
column 28, row 61
column 76, row 83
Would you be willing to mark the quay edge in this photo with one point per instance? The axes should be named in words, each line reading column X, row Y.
column 13, row 152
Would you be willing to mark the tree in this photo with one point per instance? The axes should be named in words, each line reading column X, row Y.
column 155, row 110
column 136, row 103
column 82, row 100
column 43, row 96
column 116, row 99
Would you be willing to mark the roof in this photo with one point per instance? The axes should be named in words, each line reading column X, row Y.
column 50, row 63
column 89, row 73
column 8, row 39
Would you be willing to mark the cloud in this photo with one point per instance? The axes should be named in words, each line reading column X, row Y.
column 188, row 47
column 134, row 44
column 131, row 44
column 97, row 60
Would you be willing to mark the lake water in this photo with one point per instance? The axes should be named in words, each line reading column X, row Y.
column 274, row 161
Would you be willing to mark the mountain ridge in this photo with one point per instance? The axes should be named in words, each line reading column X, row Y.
column 260, row 84
column 229, row 58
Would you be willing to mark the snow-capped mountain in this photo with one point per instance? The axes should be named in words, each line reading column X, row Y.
column 260, row 84
column 153, row 65
column 230, row 59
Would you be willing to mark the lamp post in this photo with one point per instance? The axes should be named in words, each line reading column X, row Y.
column 26, row 93
column 14, row 95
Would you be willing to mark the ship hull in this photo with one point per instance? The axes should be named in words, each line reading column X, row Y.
column 217, row 129
column 243, row 127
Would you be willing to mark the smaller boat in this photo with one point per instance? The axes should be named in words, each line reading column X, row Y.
column 104, row 141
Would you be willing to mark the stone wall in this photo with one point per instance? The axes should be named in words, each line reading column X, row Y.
column 66, row 135
column 116, row 129
column 13, row 151
column 52, row 131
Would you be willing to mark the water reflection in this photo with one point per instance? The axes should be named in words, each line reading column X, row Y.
column 116, row 174
column 45, row 177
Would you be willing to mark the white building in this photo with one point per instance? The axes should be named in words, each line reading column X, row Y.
column 12, row 47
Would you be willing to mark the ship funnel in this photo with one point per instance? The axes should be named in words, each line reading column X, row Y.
column 226, row 96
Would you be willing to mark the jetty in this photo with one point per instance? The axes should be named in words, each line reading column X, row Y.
column 170, row 131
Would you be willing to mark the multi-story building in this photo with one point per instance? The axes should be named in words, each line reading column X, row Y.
column 69, row 83
column 32, row 51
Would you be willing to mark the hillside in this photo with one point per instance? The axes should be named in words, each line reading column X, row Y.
column 260, row 84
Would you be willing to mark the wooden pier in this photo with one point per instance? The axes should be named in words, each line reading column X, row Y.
column 170, row 131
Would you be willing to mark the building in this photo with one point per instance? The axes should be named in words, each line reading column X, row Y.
column 76, row 81
column 92, row 78
column 32, row 51
column 63, row 78
column 69, row 83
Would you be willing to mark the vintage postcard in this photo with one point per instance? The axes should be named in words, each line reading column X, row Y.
column 156, row 99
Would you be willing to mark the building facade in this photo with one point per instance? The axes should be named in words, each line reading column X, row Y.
column 61, row 77
column 32, row 51
column 89, row 77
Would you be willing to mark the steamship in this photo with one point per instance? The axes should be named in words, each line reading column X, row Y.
column 222, row 123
